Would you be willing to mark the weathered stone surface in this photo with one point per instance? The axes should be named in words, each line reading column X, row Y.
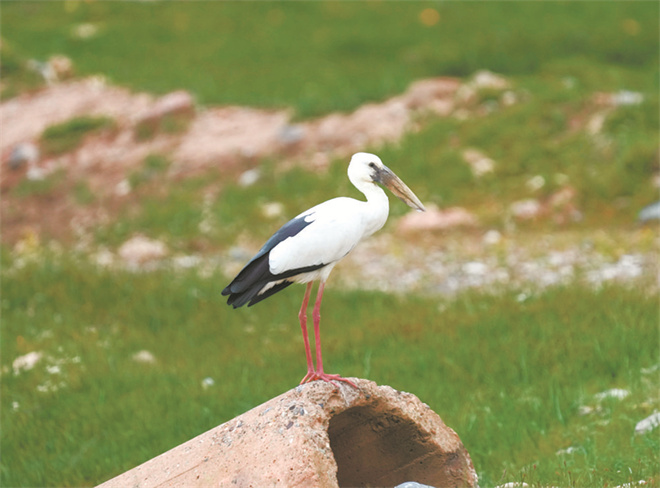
column 316, row 435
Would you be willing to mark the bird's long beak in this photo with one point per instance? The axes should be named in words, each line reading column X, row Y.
column 399, row 188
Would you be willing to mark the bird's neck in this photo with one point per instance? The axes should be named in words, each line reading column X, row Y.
column 377, row 208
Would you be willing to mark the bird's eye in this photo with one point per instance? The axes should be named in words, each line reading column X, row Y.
column 372, row 165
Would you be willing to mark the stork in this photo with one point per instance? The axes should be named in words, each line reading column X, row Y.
column 308, row 247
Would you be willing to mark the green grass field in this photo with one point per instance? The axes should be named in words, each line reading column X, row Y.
column 319, row 57
column 513, row 394
column 509, row 376
column 512, row 376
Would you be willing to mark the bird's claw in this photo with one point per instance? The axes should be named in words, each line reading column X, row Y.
column 308, row 377
column 330, row 378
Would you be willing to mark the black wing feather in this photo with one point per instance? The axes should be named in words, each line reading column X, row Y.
column 256, row 274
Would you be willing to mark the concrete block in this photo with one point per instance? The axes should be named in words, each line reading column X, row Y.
column 316, row 435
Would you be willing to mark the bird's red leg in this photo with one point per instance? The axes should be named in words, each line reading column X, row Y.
column 303, row 325
column 319, row 374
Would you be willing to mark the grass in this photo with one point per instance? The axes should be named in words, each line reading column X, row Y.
column 508, row 375
column 168, row 124
column 154, row 165
column 342, row 54
column 39, row 187
column 17, row 76
column 66, row 136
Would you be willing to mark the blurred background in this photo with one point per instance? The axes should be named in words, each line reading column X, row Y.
column 149, row 148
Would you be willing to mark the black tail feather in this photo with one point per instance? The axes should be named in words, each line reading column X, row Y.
column 254, row 277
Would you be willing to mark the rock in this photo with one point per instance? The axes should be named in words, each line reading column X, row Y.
column 139, row 250
column 291, row 134
column 123, row 188
column 648, row 424
column 627, row 98
column 26, row 362
column 621, row 98
column 650, row 212
column 412, row 484
column 178, row 105
column 316, row 435
column 436, row 219
column 371, row 124
column 526, row 209
column 272, row 210
column 61, row 66
column 249, row 177
column 485, row 79
column 25, row 153
column 492, row 237
column 35, row 173
column 560, row 206
column 178, row 102
column 435, row 94
column 480, row 164
column 509, row 98
column 187, row 261
column 144, row 357
column 57, row 68
column 84, row 31
column 375, row 124
column 229, row 134
column 44, row 69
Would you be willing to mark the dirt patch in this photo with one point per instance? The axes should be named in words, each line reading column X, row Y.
column 226, row 139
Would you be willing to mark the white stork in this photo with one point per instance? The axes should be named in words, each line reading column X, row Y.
column 307, row 247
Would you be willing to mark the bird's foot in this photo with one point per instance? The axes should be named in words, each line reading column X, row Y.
column 310, row 376
column 330, row 378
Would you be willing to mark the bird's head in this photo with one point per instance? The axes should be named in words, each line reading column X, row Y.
column 368, row 168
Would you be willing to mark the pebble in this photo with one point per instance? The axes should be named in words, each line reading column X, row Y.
column 249, row 177
column 24, row 153
column 144, row 357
